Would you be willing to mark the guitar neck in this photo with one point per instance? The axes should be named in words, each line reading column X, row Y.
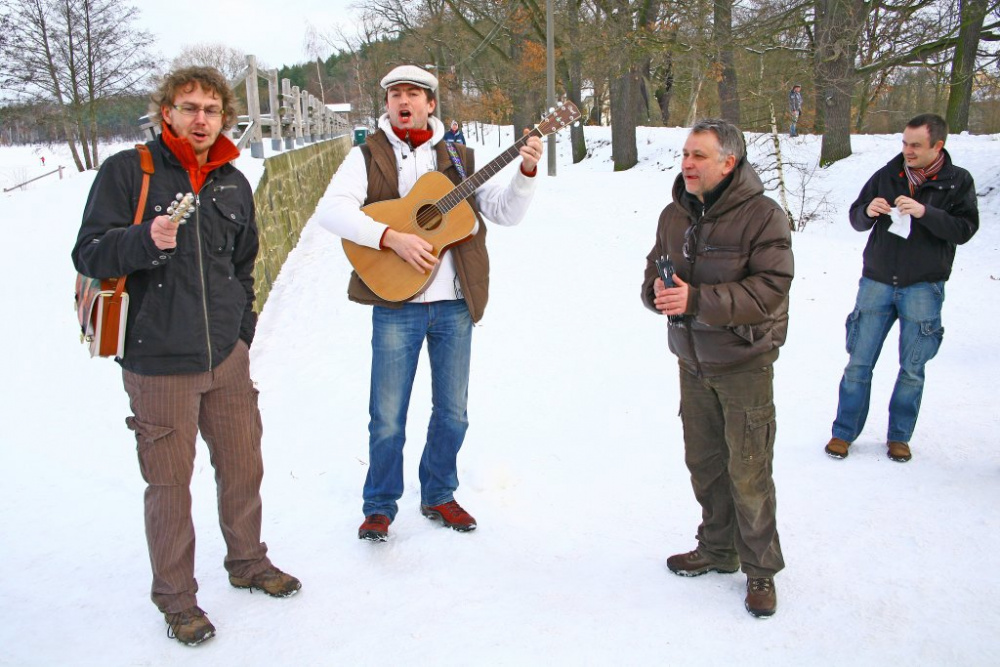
column 462, row 191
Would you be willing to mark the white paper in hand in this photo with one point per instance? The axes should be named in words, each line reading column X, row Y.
column 900, row 223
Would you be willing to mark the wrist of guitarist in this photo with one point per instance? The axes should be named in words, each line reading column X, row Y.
column 412, row 249
column 531, row 153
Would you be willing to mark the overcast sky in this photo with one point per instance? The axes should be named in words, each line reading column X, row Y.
column 272, row 30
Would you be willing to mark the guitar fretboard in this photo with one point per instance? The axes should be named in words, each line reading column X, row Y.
column 462, row 191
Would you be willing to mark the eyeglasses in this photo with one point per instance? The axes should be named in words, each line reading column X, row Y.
column 193, row 109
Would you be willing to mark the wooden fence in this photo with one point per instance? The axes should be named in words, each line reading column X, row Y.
column 57, row 170
column 299, row 119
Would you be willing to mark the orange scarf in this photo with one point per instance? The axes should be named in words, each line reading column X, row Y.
column 221, row 152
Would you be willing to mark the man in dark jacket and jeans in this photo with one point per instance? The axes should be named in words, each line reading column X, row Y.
column 731, row 249
column 919, row 207
column 186, row 365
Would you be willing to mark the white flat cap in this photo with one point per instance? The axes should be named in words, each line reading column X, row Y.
column 410, row 74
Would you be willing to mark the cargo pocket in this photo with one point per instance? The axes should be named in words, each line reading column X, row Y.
column 852, row 329
column 928, row 342
column 155, row 461
column 758, row 437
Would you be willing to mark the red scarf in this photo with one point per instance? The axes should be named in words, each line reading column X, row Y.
column 414, row 137
column 221, row 152
column 918, row 177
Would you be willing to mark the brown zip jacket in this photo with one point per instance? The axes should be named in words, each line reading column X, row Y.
column 739, row 271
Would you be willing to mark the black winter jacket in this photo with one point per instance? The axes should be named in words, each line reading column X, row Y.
column 189, row 306
column 952, row 218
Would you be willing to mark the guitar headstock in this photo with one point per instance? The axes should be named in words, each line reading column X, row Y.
column 180, row 209
column 558, row 118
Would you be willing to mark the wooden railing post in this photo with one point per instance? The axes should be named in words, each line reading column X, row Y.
column 299, row 141
column 253, row 109
column 272, row 94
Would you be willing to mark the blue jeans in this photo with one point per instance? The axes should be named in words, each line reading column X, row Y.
column 397, row 337
column 918, row 309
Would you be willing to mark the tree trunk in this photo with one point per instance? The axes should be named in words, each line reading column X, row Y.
column 624, row 90
column 963, row 67
column 729, row 99
column 574, row 82
column 664, row 92
column 838, row 24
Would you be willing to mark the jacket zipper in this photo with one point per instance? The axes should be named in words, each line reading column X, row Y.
column 201, row 274
column 694, row 260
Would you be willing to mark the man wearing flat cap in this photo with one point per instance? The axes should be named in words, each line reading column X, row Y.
column 407, row 145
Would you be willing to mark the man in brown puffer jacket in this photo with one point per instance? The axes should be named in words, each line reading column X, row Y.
column 731, row 249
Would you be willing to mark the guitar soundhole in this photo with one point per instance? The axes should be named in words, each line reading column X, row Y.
column 429, row 217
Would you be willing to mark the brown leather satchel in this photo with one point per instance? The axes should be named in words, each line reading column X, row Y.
column 102, row 305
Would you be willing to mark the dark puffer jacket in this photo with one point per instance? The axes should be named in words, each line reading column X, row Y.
column 740, row 271
column 189, row 306
column 951, row 218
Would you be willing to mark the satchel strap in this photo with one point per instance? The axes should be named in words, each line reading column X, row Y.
column 146, row 163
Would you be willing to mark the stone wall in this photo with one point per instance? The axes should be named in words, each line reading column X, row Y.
column 286, row 198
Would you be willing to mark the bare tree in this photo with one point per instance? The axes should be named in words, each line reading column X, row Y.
column 76, row 55
column 228, row 60
column 728, row 83
column 973, row 13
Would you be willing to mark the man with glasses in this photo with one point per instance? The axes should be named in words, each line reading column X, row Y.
column 186, row 364
column 730, row 247
column 919, row 207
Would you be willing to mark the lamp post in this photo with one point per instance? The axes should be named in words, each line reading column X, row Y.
column 550, row 76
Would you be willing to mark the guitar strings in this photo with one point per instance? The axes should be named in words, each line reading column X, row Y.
column 432, row 212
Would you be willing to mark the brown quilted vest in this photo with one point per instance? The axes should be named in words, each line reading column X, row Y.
column 472, row 262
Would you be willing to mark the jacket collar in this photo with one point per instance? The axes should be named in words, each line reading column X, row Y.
column 738, row 187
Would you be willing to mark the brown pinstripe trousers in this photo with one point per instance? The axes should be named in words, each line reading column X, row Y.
column 168, row 411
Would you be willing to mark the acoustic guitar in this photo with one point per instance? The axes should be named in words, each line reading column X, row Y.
column 437, row 211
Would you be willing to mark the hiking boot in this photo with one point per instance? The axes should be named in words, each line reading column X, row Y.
column 694, row 563
column 451, row 515
column 837, row 448
column 375, row 528
column 762, row 599
column 899, row 451
column 272, row 581
column 190, row 627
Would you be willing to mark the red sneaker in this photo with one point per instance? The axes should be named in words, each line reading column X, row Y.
column 451, row 515
column 375, row 528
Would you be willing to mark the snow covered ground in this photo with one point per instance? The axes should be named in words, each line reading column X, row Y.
column 573, row 464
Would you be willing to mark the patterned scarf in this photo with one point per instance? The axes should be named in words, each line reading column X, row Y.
column 918, row 177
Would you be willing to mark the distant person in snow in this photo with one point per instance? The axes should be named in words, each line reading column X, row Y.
column 919, row 207
column 186, row 365
column 794, row 109
column 407, row 145
column 455, row 134
column 727, row 301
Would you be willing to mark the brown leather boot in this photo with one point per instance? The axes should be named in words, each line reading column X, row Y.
column 761, row 599
column 190, row 627
column 899, row 451
column 837, row 448
column 272, row 581
column 695, row 563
